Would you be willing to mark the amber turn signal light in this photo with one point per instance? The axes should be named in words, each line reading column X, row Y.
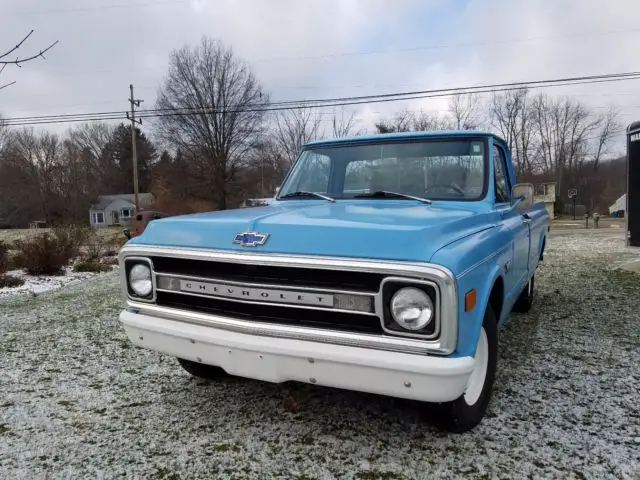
column 470, row 300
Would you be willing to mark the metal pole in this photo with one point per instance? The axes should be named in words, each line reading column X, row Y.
column 134, row 153
column 262, row 178
column 574, row 206
column 626, row 198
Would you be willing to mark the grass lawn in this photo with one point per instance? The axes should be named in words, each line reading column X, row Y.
column 12, row 234
column 78, row 401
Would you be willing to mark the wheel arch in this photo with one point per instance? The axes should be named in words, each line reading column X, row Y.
column 490, row 291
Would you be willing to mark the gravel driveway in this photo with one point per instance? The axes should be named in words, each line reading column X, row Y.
column 78, row 401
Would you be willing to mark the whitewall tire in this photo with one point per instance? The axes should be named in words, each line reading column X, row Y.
column 467, row 411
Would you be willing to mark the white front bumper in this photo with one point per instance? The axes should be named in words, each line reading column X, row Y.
column 417, row 377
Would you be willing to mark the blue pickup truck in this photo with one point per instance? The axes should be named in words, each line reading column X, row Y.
column 385, row 264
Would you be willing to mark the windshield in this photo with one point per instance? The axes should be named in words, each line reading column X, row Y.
column 435, row 169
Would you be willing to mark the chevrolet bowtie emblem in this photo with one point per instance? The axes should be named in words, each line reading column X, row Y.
column 250, row 239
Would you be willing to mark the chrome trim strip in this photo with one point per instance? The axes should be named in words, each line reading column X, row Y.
column 276, row 286
column 269, row 304
column 387, row 343
column 436, row 306
column 268, row 286
column 441, row 276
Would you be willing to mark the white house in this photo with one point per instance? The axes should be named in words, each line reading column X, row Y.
column 116, row 209
column 620, row 204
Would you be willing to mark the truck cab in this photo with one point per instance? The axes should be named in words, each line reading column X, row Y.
column 385, row 264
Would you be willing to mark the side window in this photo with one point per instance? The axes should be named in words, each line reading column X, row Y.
column 501, row 183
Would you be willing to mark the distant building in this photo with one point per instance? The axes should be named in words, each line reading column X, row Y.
column 619, row 207
column 546, row 193
column 113, row 210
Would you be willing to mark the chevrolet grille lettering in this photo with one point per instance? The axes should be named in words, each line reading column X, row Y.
column 257, row 294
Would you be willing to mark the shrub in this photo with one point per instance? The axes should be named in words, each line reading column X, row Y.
column 44, row 254
column 110, row 261
column 91, row 266
column 115, row 244
column 71, row 237
column 4, row 257
column 8, row 281
column 95, row 246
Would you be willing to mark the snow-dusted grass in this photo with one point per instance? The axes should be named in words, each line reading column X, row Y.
column 35, row 284
column 78, row 401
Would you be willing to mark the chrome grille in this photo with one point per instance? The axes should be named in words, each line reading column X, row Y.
column 319, row 275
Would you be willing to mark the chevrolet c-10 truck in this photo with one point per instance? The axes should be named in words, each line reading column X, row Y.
column 385, row 264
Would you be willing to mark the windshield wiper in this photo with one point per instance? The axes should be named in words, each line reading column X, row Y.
column 388, row 194
column 308, row 194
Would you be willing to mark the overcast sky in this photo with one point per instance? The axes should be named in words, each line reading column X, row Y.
column 319, row 48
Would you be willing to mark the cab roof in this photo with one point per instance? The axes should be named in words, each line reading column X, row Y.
column 382, row 137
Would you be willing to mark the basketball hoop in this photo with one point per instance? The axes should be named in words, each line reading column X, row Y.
column 573, row 192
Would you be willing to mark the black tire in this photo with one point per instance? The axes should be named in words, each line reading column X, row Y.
column 460, row 416
column 201, row 370
column 525, row 300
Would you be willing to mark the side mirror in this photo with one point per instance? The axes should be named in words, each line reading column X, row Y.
column 522, row 196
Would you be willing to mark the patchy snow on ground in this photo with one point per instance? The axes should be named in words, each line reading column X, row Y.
column 79, row 401
column 35, row 284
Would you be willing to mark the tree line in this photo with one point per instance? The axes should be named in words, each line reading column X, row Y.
column 218, row 143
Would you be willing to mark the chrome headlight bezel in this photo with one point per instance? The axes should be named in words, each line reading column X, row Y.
column 392, row 285
column 129, row 264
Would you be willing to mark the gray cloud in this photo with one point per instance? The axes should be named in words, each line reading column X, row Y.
column 104, row 48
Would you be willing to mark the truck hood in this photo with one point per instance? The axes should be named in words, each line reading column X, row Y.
column 390, row 230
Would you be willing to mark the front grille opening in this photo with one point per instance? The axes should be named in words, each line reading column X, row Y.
column 307, row 276
column 297, row 317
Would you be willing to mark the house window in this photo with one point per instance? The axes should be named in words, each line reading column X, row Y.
column 126, row 213
column 540, row 190
column 98, row 217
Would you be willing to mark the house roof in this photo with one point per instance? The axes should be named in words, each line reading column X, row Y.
column 105, row 200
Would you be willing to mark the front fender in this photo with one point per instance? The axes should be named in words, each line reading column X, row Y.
column 478, row 262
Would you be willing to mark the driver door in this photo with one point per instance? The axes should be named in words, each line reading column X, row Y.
column 516, row 273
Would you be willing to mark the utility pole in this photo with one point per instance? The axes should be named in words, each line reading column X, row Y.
column 134, row 103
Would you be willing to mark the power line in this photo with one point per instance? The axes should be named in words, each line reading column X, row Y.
column 327, row 102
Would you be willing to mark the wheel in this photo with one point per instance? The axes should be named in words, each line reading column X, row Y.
column 525, row 300
column 201, row 370
column 465, row 412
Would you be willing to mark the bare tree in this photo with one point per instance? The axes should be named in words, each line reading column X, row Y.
column 93, row 136
column 6, row 57
column 609, row 125
column 424, row 121
column 214, row 109
column 38, row 156
column 409, row 121
column 294, row 128
column 510, row 114
column 466, row 111
column 342, row 126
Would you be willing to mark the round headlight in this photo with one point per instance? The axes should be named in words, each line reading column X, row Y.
column 411, row 308
column 140, row 280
